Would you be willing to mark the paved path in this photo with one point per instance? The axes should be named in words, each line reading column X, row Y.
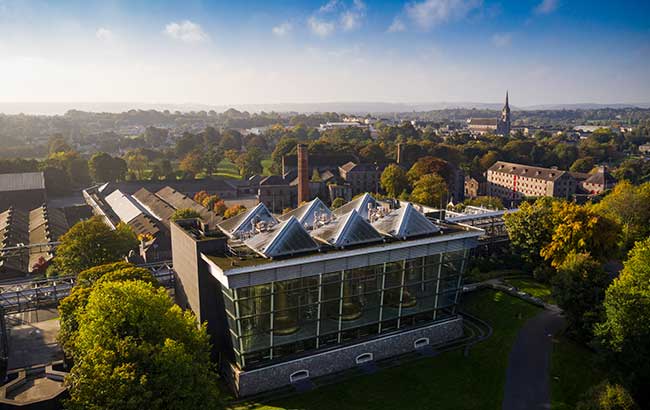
column 527, row 378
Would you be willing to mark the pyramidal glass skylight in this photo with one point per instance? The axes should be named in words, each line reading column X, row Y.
column 311, row 215
column 361, row 205
column 249, row 222
column 403, row 223
column 348, row 230
column 286, row 239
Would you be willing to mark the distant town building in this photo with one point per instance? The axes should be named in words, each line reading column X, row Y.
column 23, row 191
column 513, row 182
column 500, row 126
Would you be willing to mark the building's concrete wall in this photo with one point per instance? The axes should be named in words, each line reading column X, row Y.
column 332, row 361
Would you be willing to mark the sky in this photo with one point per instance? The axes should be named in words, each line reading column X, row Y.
column 285, row 51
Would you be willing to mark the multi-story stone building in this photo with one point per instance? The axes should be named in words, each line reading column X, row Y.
column 361, row 177
column 513, row 182
column 315, row 292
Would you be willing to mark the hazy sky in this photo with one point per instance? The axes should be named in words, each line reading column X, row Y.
column 235, row 52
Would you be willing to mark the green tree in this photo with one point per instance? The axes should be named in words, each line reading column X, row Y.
column 91, row 243
column 429, row 165
column 628, row 205
column 625, row 332
column 430, row 190
column 490, row 202
column 185, row 213
column 143, row 352
column 579, row 289
column 249, row 163
column 607, row 396
column 580, row 229
column 72, row 305
column 104, row 168
column 393, row 180
column 585, row 164
column 531, row 228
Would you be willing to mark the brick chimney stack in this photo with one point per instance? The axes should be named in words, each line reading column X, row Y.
column 399, row 153
column 303, row 174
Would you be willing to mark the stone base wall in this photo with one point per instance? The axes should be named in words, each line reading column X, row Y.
column 322, row 363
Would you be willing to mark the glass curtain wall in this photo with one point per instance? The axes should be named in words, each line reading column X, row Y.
column 279, row 319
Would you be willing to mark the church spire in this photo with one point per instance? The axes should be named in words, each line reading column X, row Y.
column 507, row 105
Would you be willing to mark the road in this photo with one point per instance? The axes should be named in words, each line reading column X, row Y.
column 527, row 378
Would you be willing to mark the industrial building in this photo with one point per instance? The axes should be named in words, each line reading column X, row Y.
column 23, row 191
column 314, row 291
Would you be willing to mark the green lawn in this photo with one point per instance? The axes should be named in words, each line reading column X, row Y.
column 448, row 381
column 534, row 288
column 573, row 372
column 227, row 169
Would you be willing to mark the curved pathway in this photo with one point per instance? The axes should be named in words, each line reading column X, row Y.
column 527, row 378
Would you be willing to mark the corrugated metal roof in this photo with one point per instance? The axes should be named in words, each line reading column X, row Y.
column 123, row 206
column 21, row 182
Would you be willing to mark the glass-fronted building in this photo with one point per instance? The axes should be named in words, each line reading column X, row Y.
column 314, row 292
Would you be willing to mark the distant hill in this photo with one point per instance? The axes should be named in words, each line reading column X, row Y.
column 59, row 108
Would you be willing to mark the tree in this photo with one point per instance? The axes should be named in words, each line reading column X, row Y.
column 579, row 289
column 607, row 396
column 104, row 168
column 58, row 144
column 185, row 213
column 585, row 164
column 630, row 207
column 429, row 165
column 234, row 211
column 531, row 228
column 249, row 163
column 490, row 202
column 625, row 332
column 393, row 180
column 429, row 190
column 581, row 230
column 155, row 137
column 92, row 243
column 145, row 349
column 73, row 304
column 337, row 203
column 192, row 163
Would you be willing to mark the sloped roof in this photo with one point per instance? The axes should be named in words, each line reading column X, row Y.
column 405, row 222
column 309, row 213
column 21, row 181
column 123, row 206
column 285, row 239
column 359, row 204
column 273, row 180
column 527, row 171
column 178, row 200
column 349, row 230
column 483, row 121
column 601, row 178
column 155, row 206
column 243, row 223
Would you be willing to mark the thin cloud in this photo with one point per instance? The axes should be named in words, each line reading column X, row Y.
column 429, row 13
column 283, row 29
column 321, row 28
column 501, row 40
column 359, row 5
column 329, row 7
column 104, row 34
column 397, row 26
column 186, row 31
column 547, row 6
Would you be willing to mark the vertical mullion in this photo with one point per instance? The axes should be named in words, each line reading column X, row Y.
column 381, row 297
column 401, row 294
column 318, row 313
column 435, row 303
column 342, row 284
column 460, row 278
column 239, row 333
column 271, row 320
